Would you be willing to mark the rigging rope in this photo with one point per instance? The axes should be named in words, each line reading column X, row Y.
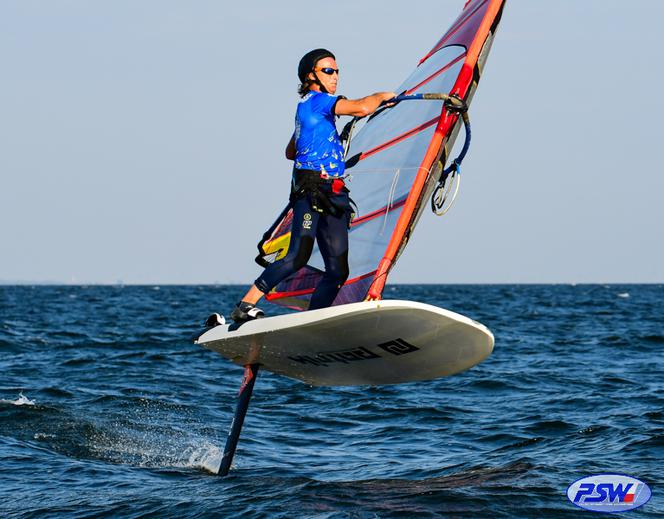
column 454, row 104
column 453, row 174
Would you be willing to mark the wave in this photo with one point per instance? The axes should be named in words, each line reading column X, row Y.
column 656, row 339
column 21, row 400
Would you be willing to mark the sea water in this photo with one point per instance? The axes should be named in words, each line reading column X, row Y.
column 107, row 408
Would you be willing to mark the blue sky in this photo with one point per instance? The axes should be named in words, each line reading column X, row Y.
column 143, row 142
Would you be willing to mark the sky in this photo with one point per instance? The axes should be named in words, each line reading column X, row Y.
column 142, row 141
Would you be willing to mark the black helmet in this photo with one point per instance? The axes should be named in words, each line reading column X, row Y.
column 309, row 60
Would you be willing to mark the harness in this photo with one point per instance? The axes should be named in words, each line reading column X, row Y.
column 318, row 187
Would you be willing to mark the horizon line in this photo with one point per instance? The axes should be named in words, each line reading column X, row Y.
column 4, row 283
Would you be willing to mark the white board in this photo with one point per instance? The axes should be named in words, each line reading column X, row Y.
column 368, row 343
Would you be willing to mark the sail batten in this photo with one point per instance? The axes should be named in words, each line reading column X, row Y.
column 399, row 138
column 417, row 87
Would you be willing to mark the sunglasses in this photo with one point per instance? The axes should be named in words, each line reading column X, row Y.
column 328, row 70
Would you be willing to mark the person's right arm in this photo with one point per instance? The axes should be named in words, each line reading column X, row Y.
column 362, row 107
column 290, row 148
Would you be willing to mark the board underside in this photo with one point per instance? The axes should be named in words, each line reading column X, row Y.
column 368, row 343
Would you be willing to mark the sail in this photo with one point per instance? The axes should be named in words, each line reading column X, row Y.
column 395, row 161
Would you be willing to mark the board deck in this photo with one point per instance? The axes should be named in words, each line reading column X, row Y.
column 368, row 343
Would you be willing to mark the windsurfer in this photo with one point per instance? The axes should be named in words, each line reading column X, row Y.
column 319, row 197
